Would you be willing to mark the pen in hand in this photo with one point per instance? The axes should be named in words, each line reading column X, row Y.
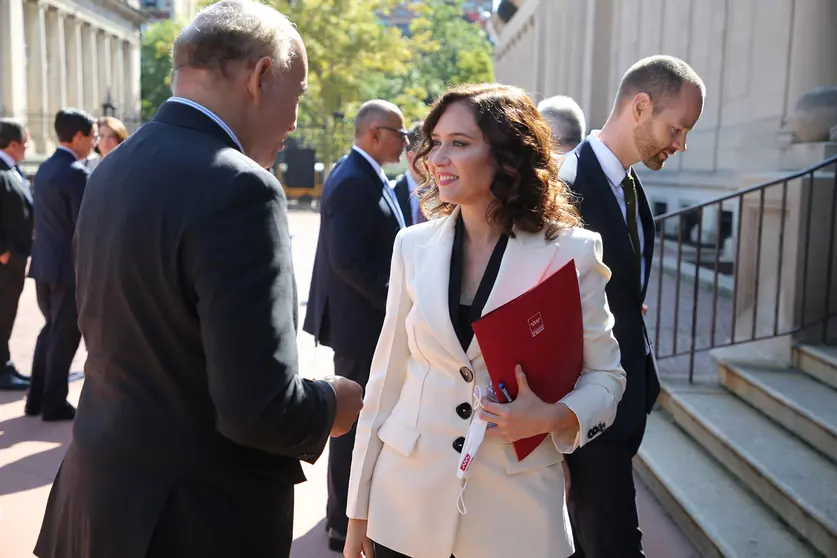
column 505, row 392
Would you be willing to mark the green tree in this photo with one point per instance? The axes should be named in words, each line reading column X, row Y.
column 155, row 80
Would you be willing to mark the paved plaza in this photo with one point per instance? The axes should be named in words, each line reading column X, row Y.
column 31, row 450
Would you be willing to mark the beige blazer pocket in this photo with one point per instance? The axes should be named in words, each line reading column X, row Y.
column 398, row 436
column 544, row 455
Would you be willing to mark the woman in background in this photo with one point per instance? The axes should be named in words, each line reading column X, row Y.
column 505, row 222
column 112, row 132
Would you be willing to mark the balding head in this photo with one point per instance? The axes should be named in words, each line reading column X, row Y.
column 566, row 120
column 245, row 62
column 236, row 31
column 379, row 131
column 661, row 78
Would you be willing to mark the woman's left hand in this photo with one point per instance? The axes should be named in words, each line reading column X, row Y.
column 526, row 416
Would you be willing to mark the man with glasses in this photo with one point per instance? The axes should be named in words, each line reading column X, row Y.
column 59, row 187
column 359, row 218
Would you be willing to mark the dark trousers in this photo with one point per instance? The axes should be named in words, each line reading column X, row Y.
column 602, row 498
column 12, row 276
column 340, row 449
column 56, row 346
column 384, row 552
column 195, row 523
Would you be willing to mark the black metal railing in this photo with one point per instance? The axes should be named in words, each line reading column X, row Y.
column 689, row 267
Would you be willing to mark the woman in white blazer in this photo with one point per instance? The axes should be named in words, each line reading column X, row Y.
column 505, row 222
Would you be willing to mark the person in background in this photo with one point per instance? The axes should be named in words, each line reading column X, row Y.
column 504, row 222
column 15, row 241
column 407, row 184
column 112, row 132
column 59, row 188
column 359, row 218
column 659, row 101
column 566, row 120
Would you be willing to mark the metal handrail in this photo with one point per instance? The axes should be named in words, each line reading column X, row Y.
column 716, row 325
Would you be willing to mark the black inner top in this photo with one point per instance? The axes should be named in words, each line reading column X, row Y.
column 462, row 315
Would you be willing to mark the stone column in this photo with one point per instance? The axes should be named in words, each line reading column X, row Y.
column 12, row 60
column 813, row 48
column 133, row 107
column 75, row 63
column 36, row 77
column 118, row 57
column 56, row 61
column 92, row 97
column 105, row 69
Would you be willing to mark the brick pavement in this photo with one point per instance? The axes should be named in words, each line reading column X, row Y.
column 31, row 451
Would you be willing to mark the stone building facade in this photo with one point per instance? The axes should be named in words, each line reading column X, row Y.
column 757, row 58
column 68, row 53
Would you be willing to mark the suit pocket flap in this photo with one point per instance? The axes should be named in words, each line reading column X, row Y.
column 545, row 455
column 399, row 436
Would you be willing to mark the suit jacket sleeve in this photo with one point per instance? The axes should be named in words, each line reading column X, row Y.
column 386, row 378
column 350, row 236
column 76, row 183
column 5, row 190
column 240, row 264
column 602, row 382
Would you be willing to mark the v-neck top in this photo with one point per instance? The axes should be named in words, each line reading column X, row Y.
column 463, row 315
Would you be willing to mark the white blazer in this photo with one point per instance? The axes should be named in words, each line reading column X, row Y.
column 403, row 478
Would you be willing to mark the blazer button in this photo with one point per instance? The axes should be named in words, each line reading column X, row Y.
column 466, row 373
column 464, row 410
column 458, row 444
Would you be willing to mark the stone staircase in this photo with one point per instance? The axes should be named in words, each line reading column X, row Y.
column 748, row 466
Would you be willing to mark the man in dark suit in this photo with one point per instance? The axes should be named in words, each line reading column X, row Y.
column 407, row 184
column 59, row 188
column 15, row 241
column 659, row 101
column 359, row 219
column 193, row 418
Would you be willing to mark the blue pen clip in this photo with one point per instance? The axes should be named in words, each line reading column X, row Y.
column 505, row 392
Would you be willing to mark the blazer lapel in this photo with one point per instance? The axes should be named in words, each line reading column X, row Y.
column 525, row 264
column 649, row 231
column 597, row 186
column 433, row 278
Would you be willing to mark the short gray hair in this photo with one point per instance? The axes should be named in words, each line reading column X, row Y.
column 565, row 118
column 371, row 112
column 235, row 30
column 660, row 77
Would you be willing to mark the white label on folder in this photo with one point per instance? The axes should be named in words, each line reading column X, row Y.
column 536, row 324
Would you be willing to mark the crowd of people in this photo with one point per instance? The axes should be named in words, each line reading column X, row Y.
column 172, row 260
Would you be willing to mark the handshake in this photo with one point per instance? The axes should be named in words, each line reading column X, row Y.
column 349, row 402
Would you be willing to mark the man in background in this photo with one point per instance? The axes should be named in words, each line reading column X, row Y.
column 59, row 188
column 566, row 120
column 359, row 219
column 406, row 185
column 15, row 241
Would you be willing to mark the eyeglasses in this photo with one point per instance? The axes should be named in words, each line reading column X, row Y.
column 404, row 133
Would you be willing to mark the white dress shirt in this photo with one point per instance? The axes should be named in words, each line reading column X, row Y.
column 414, row 201
column 389, row 195
column 6, row 158
column 615, row 173
column 215, row 118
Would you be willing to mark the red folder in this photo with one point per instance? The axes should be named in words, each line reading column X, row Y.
column 542, row 330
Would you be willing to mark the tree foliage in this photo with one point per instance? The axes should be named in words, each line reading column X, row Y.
column 155, row 80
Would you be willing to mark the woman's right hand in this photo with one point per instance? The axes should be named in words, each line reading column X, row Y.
column 357, row 543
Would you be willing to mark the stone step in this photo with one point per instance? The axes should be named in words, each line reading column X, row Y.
column 721, row 517
column 820, row 361
column 794, row 480
column 803, row 405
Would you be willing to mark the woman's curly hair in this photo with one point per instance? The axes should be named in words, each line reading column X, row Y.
column 527, row 191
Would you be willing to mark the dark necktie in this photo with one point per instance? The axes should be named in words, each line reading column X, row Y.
column 629, row 188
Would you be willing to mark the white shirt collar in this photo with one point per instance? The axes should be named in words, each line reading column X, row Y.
column 378, row 170
column 6, row 158
column 612, row 167
column 70, row 151
column 215, row 118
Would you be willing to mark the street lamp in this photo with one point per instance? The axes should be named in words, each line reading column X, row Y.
column 107, row 107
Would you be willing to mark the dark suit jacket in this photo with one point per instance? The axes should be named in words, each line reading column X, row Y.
column 402, row 193
column 59, row 189
column 15, row 216
column 601, row 213
column 187, row 303
column 347, row 300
